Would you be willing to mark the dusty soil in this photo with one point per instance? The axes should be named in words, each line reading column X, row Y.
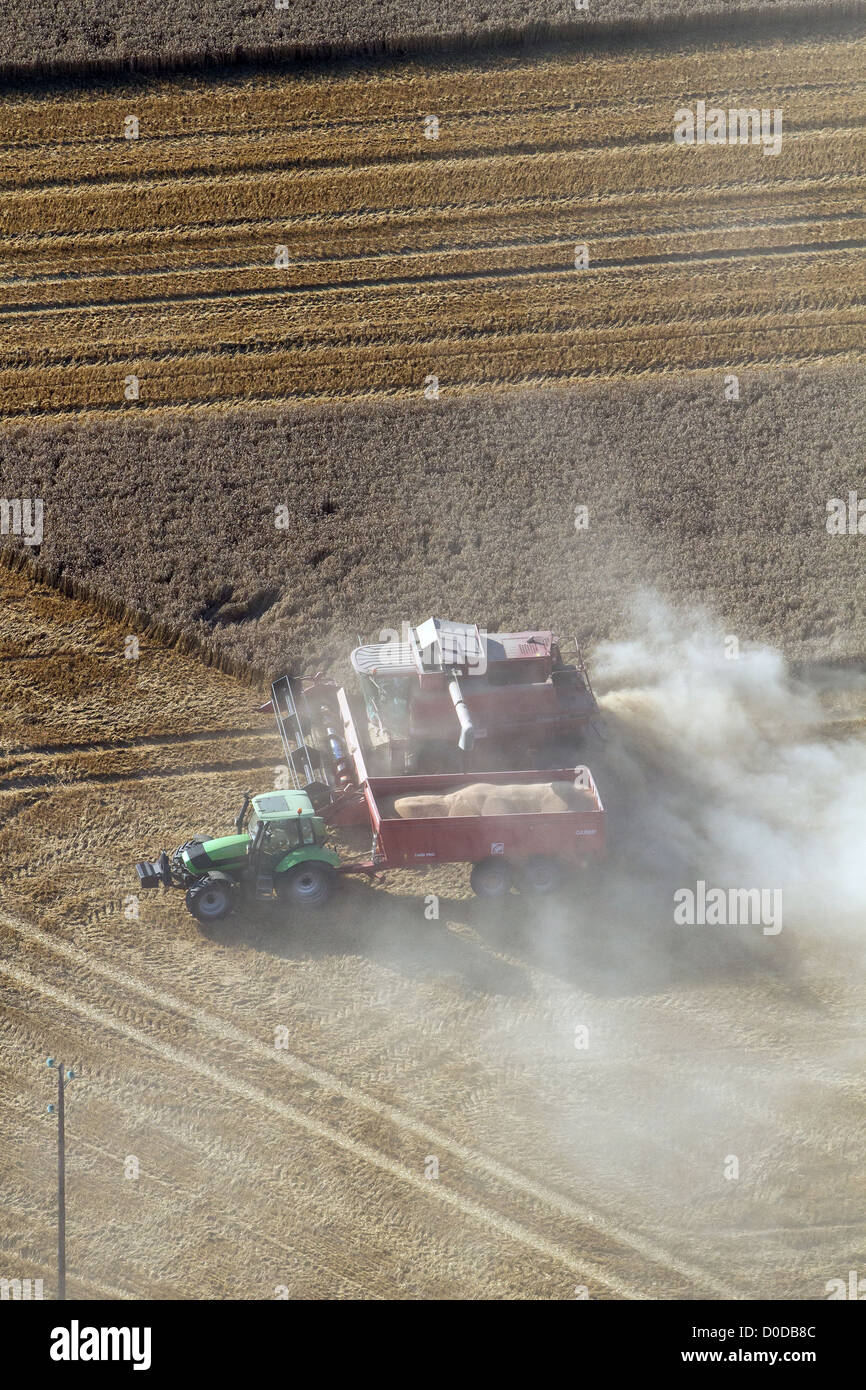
column 305, row 1167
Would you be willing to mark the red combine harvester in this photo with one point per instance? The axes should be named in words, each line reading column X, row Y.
column 452, row 698
column 452, row 690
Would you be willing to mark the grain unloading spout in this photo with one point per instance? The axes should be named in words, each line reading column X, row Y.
column 466, row 740
column 239, row 818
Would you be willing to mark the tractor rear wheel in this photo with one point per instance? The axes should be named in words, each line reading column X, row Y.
column 306, row 885
column 490, row 878
column 210, row 899
column 540, row 875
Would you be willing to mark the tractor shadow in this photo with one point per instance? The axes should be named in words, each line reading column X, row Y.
column 389, row 929
column 593, row 936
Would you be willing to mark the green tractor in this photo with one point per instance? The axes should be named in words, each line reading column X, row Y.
column 277, row 850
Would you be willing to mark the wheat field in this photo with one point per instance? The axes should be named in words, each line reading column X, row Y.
column 95, row 37
column 411, row 258
column 406, row 418
column 303, row 1168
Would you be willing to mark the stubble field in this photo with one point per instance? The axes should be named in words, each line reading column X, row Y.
column 411, row 257
column 305, row 1169
column 429, row 1128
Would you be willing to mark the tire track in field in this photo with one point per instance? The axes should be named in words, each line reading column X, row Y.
column 228, row 1217
column 153, row 1116
column 502, row 1225
column 400, row 1119
column 232, row 1219
column 50, row 1270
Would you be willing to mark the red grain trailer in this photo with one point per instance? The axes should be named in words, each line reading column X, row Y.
column 529, row 850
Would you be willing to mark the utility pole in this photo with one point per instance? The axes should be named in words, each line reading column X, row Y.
column 62, row 1082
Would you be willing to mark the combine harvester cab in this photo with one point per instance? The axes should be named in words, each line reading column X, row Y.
column 454, row 698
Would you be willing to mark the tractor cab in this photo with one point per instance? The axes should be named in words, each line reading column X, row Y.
column 287, row 820
column 277, row 850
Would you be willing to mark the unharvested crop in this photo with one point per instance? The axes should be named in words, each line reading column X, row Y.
column 151, row 34
column 389, row 511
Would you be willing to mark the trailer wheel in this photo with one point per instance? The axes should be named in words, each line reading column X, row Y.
column 306, row 885
column 210, row 899
column 491, row 878
column 540, row 875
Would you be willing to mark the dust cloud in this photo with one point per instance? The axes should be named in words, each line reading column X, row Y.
column 720, row 764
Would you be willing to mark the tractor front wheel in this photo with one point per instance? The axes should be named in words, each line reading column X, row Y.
column 306, row 885
column 210, row 899
column 490, row 878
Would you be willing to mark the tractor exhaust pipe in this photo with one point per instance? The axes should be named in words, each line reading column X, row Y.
column 466, row 740
column 239, row 818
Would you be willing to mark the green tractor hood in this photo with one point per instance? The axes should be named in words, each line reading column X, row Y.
column 224, row 852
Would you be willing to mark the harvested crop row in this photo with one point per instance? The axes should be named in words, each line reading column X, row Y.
column 457, row 311
column 68, row 162
column 318, row 240
column 431, row 184
column 498, row 359
column 541, row 252
column 670, row 293
column 635, row 208
column 406, row 257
